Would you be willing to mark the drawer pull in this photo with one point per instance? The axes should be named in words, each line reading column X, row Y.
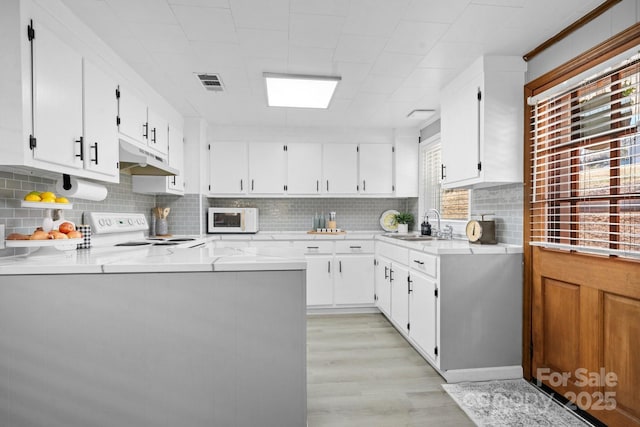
column 355, row 247
column 418, row 262
column 313, row 247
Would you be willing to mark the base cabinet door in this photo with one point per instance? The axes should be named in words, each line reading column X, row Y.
column 383, row 286
column 354, row 279
column 319, row 280
column 400, row 296
column 423, row 309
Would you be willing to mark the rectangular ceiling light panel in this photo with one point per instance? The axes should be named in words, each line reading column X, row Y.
column 290, row 90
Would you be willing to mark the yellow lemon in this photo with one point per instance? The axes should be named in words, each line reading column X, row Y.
column 37, row 193
column 48, row 200
column 32, row 198
column 62, row 200
column 48, row 195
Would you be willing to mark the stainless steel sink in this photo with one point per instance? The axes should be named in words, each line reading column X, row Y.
column 413, row 237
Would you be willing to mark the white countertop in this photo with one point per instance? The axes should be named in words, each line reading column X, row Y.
column 150, row 259
column 145, row 259
column 452, row 247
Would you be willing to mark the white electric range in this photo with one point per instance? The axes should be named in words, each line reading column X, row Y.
column 109, row 229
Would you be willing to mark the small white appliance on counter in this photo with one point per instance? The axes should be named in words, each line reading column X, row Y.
column 232, row 220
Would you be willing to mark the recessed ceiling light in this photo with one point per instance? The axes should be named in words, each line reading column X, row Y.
column 301, row 91
column 420, row 114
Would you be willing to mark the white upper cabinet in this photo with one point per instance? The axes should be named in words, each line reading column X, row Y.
column 176, row 159
column 158, row 132
column 57, row 107
column 228, row 165
column 267, row 168
column 340, row 168
column 100, row 130
column 481, row 132
column 132, row 117
column 376, row 169
column 304, row 169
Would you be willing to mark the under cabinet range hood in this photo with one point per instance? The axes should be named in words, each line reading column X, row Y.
column 138, row 161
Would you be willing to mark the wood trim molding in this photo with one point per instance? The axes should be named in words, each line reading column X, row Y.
column 608, row 4
column 611, row 47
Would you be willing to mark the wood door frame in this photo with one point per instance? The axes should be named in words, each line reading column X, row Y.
column 608, row 49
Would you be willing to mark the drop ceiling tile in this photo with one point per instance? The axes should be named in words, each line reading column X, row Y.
column 430, row 77
column 391, row 64
column 352, row 74
column 151, row 11
column 415, row 38
column 206, row 23
column 213, row 55
column 261, row 15
column 161, row 37
column 380, row 84
column 203, row 3
column 310, row 60
column 355, row 48
column 502, row 3
column 315, row 30
column 374, row 17
column 324, row 7
column 479, row 23
column 263, row 43
column 452, row 55
column 435, row 10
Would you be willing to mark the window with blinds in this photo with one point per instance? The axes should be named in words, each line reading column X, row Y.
column 586, row 165
column 452, row 204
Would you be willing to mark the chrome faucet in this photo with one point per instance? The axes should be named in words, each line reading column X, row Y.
column 438, row 217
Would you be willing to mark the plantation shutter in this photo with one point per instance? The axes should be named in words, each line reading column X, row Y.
column 585, row 154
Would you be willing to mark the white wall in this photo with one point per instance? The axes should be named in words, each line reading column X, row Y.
column 615, row 20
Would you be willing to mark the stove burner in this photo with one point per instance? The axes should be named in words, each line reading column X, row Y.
column 133, row 244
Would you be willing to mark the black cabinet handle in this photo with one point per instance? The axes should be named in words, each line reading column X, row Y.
column 328, row 266
column 386, row 272
column 251, row 185
column 355, row 247
column 241, row 189
column 364, row 185
column 153, row 138
column 327, row 186
column 340, row 266
column 317, row 185
column 418, row 262
column 409, row 282
column 443, row 171
column 313, row 247
column 391, row 275
column 145, row 131
column 81, row 142
column 174, row 180
column 95, row 152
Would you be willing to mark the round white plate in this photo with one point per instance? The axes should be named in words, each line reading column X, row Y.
column 387, row 221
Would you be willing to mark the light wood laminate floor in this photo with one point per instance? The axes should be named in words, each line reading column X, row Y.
column 362, row 373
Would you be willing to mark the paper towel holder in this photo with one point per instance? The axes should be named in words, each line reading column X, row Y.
column 66, row 181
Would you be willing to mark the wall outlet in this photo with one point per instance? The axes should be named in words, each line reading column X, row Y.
column 2, row 236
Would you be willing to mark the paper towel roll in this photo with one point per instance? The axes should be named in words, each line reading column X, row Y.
column 81, row 189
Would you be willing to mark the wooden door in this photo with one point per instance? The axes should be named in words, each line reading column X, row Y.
column 586, row 332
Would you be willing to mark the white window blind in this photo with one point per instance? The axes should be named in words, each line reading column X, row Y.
column 452, row 204
column 585, row 144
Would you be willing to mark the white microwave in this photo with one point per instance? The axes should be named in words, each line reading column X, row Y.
column 232, row 220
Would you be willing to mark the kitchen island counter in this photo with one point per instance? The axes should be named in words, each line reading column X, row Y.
column 152, row 259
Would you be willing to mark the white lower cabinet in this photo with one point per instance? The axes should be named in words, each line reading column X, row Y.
column 319, row 280
column 383, row 285
column 423, row 306
column 399, row 276
column 354, row 279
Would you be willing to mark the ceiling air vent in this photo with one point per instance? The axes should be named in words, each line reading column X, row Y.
column 211, row 82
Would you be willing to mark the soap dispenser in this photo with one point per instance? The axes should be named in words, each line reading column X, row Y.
column 425, row 227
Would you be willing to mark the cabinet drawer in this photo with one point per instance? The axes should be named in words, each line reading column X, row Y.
column 424, row 263
column 354, row 246
column 395, row 253
column 314, row 246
